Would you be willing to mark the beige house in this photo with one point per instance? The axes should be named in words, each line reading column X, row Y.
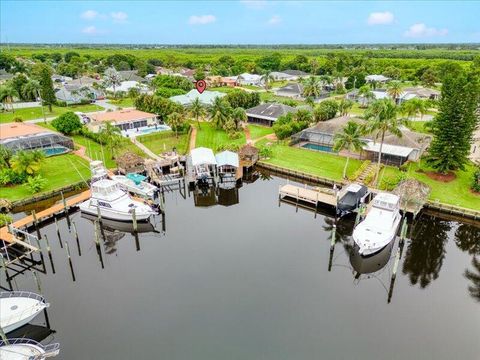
column 124, row 119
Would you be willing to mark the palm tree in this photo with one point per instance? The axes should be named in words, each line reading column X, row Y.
column 219, row 112
column 266, row 78
column 112, row 78
column 312, row 87
column 27, row 162
column 413, row 107
column 344, row 106
column 239, row 115
column 394, row 89
column 197, row 110
column 349, row 139
column 7, row 93
column 382, row 118
column 111, row 135
column 31, row 89
column 366, row 93
column 175, row 120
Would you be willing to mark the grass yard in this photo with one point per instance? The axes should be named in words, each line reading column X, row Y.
column 36, row 112
column 312, row 162
column 208, row 136
column 278, row 84
column 419, row 126
column 258, row 131
column 270, row 97
column 123, row 103
column 224, row 89
column 59, row 171
column 251, row 87
column 165, row 141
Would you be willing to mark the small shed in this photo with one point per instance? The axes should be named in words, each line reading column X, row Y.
column 248, row 155
column 203, row 162
column 130, row 162
column 227, row 162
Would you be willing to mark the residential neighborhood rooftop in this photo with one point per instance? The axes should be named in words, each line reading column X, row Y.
column 17, row 129
column 269, row 111
column 120, row 116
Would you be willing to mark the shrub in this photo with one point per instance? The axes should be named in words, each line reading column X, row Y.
column 230, row 147
column 390, row 182
column 5, row 219
column 476, row 181
column 168, row 92
column 242, row 99
column 36, row 183
column 326, row 110
column 265, row 152
column 67, row 123
column 17, row 119
column 9, row 176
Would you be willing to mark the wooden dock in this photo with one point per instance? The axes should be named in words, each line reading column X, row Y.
column 42, row 215
column 307, row 195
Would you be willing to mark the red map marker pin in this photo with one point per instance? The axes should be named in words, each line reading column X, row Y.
column 201, row 85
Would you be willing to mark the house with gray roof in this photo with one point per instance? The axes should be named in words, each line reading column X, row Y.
column 291, row 90
column 268, row 113
column 206, row 98
column 131, row 75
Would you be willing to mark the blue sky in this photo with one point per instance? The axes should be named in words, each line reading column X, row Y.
column 239, row 22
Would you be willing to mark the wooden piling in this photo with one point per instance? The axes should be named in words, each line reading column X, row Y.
column 70, row 261
column 7, row 276
column 35, row 223
column 334, row 235
column 58, row 233
column 39, row 246
column 49, row 251
column 77, row 239
column 37, row 281
column 97, row 243
column 65, row 208
column 134, row 219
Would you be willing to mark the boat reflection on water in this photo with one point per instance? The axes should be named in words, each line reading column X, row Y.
column 30, row 331
column 370, row 264
column 209, row 196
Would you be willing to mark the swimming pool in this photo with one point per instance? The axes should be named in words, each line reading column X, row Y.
column 145, row 130
column 55, row 150
column 317, row 147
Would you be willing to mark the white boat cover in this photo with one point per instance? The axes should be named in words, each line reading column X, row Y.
column 227, row 158
column 202, row 156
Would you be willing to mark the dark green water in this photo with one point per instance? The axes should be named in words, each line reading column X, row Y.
column 251, row 281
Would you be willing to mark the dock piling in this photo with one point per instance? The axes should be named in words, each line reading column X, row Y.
column 77, row 239
column 134, row 219
column 35, row 222
column 70, row 261
column 58, row 233
column 65, row 208
column 49, row 251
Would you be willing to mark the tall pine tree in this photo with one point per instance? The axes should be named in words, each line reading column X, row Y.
column 43, row 74
column 455, row 122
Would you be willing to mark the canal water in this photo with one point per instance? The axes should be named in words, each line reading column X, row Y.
column 244, row 278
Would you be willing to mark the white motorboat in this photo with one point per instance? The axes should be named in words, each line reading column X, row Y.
column 114, row 203
column 98, row 171
column 380, row 225
column 27, row 349
column 135, row 184
column 18, row 308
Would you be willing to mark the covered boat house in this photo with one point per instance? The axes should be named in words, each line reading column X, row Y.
column 202, row 164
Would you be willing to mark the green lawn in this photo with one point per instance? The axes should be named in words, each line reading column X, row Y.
column 165, row 141
column 419, row 126
column 59, row 171
column 224, row 89
column 208, row 136
column 123, row 103
column 312, row 162
column 251, row 87
column 258, row 131
column 270, row 97
column 278, row 84
column 36, row 112
column 98, row 152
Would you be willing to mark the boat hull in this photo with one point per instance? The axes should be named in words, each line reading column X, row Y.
column 21, row 321
column 113, row 215
column 367, row 247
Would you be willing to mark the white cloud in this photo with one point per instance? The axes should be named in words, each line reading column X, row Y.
column 254, row 4
column 119, row 16
column 89, row 14
column 90, row 30
column 201, row 19
column 421, row 30
column 380, row 18
column 274, row 20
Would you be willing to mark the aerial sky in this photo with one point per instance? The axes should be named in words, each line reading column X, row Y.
column 239, row 22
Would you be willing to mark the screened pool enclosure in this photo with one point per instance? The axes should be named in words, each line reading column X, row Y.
column 49, row 142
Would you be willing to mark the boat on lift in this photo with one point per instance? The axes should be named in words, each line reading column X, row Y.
column 18, row 308
column 114, row 203
column 27, row 349
column 380, row 225
column 350, row 198
column 136, row 184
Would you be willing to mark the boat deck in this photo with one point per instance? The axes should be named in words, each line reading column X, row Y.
column 308, row 195
column 42, row 215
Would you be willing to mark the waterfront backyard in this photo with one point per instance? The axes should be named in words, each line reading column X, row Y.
column 264, row 291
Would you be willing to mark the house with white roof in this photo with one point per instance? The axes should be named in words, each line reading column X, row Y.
column 127, row 85
column 250, row 79
column 206, row 98
column 377, row 78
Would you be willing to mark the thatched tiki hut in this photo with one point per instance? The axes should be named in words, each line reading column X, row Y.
column 130, row 162
column 248, row 155
column 413, row 195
